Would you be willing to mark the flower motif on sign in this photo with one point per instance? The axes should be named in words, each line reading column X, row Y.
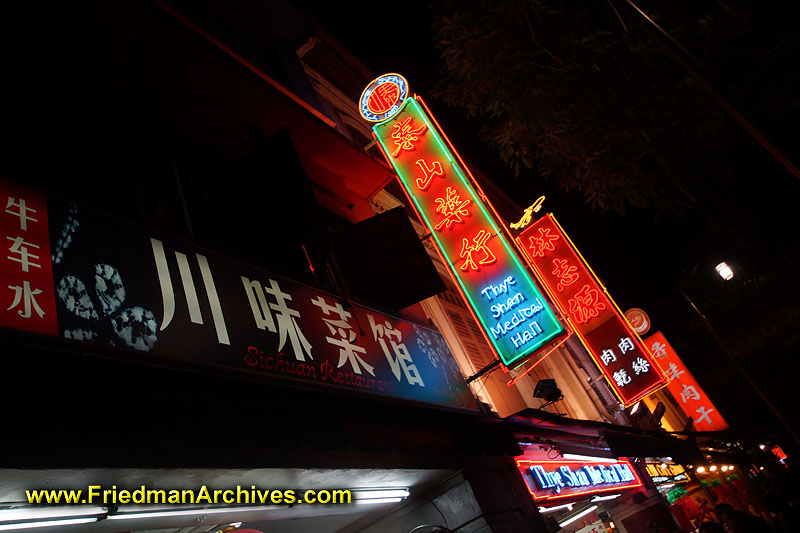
column 543, row 243
column 478, row 245
column 586, row 304
column 453, row 208
column 429, row 173
column 567, row 274
column 405, row 136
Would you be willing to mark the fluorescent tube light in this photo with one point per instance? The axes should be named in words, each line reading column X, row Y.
column 556, row 508
column 189, row 512
column 47, row 523
column 378, row 500
column 379, row 493
column 44, row 513
column 579, row 515
column 602, row 498
column 588, row 458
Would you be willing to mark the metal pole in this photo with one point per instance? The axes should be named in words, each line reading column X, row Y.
column 740, row 368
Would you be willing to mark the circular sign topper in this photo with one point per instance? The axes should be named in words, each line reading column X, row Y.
column 638, row 320
column 383, row 97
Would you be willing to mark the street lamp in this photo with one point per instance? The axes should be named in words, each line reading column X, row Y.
column 727, row 273
column 724, row 271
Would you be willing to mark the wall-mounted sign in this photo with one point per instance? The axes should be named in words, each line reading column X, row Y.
column 615, row 347
column 383, row 97
column 638, row 320
column 666, row 472
column 684, row 388
column 77, row 274
column 563, row 479
column 516, row 319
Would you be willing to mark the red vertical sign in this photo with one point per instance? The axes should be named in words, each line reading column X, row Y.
column 28, row 299
column 615, row 347
column 684, row 388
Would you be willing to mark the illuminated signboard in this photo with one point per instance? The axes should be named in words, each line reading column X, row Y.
column 563, row 479
column 516, row 319
column 638, row 320
column 666, row 473
column 684, row 388
column 615, row 347
column 71, row 272
column 383, row 97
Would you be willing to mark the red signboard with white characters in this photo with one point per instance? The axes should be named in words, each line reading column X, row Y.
column 615, row 347
column 562, row 479
column 684, row 388
column 28, row 300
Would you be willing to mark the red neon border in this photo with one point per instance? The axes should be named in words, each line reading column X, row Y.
column 630, row 485
column 569, row 330
column 661, row 383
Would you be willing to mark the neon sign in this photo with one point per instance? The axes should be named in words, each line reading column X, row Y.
column 616, row 349
column 513, row 313
column 562, row 479
column 383, row 97
column 687, row 392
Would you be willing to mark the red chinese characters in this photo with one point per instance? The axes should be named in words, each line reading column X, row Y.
column 684, row 388
column 453, row 209
column 541, row 243
column 477, row 246
column 28, row 297
column 383, row 98
column 585, row 305
column 616, row 349
column 567, row 274
column 428, row 173
column 406, row 136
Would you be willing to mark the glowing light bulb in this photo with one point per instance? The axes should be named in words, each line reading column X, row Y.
column 724, row 271
column 713, row 468
column 701, row 469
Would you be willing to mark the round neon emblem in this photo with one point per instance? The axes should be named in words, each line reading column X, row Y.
column 638, row 320
column 383, row 97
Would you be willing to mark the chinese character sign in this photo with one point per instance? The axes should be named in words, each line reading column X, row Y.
column 515, row 318
column 615, row 347
column 684, row 388
column 28, row 296
column 71, row 272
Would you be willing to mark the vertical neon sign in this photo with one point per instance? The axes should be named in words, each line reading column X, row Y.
column 516, row 319
column 616, row 349
column 684, row 387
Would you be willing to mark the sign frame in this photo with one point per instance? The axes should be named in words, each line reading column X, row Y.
column 452, row 166
column 524, row 464
column 600, row 297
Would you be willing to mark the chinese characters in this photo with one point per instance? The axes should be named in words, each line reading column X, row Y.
column 405, row 136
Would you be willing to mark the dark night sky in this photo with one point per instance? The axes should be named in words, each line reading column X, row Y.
column 639, row 258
